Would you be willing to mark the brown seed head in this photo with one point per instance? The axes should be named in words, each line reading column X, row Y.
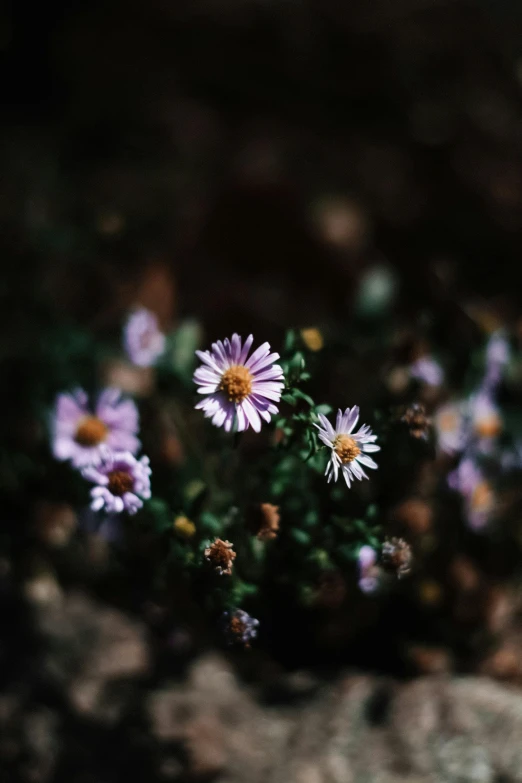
column 236, row 627
column 91, row 431
column 221, row 556
column 397, row 556
column 236, row 382
column 264, row 521
column 416, row 420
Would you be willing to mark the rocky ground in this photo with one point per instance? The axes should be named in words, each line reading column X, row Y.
column 91, row 709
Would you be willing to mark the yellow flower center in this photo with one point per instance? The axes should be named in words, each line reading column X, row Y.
column 120, row 482
column 236, row 382
column 488, row 426
column 91, row 431
column 346, row 448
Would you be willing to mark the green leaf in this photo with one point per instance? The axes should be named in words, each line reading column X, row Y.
column 324, row 409
column 183, row 344
column 290, row 339
column 300, row 537
column 210, row 524
column 302, row 396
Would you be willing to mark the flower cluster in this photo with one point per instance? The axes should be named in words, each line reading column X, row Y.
column 470, row 429
column 102, row 441
column 102, row 444
column 241, row 389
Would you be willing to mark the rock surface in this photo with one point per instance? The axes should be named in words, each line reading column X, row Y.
column 92, row 710
column 362, row 728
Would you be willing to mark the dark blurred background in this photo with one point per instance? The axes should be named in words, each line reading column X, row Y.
column 265, row 151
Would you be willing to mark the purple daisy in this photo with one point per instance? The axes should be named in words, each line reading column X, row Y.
column 142, row 337
column 477, row 491
column 122, row 482
column 239, row 388
column 80, row 434
column 349, row 449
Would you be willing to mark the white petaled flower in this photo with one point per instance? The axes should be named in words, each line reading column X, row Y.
column 349, row 449
column 239, row 388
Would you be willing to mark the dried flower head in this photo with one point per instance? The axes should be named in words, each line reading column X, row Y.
column 264, row 521
column 396, row 556
column 184, row 527
column 416, row 420
column 81, row 435
column 239, row 388
column 221, row 556
column 349, row 449
column 239, row 627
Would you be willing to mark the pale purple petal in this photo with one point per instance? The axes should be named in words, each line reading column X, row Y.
column 350, row 419
column 252, row 415
column 258, row 354
column 236, row 348
column 246, row 349
column 368, row 461
column 367, row 557
column 210, row 361
column 264, row 362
